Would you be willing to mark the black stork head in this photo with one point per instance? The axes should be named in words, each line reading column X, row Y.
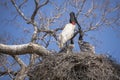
column 73, row 18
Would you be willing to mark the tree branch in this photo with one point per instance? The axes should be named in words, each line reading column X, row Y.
column 23, row 49
column 37, row 6
column 80, row 9
column 34, row 36
column 22, row 3
column 19, row 61
column 19, row 11
column 2, row 73
column 21, row 74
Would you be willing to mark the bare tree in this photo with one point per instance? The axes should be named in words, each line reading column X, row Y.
column 91, row 14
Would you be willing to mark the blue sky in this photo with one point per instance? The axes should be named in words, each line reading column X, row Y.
column 107, row 38
column 108, row 42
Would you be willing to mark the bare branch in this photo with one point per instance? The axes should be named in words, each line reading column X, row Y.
column 90, row 11
column 51, row 32
column 37, row 6
column 7, row 72
column 55, row 5
column 34, row 36
column 19, row 61
column 23, row 49
column 43, row 3
column 19, row 11
column 22, row 3
column 80, row 9
column 35, row 10
column 33, row 40
column 21, row 74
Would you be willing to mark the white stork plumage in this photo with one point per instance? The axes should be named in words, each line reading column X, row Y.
column 66, row 34
column 68, row 31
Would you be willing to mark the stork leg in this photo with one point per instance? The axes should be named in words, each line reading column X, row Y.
column 71, row 45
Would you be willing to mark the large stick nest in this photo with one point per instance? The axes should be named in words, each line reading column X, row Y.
column 74, row 66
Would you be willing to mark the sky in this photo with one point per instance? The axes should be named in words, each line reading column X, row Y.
column 13, row 28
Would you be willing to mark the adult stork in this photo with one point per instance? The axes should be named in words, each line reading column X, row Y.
column 68, row 31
